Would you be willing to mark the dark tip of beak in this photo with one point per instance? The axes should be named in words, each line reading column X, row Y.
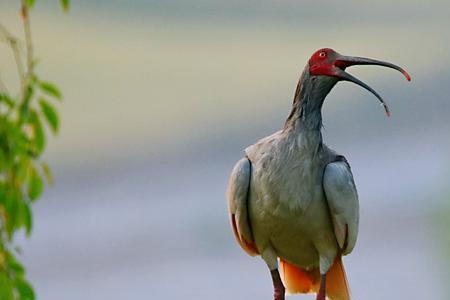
column 406, row 75
column 386, row 109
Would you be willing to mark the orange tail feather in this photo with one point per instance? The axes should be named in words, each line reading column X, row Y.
column 297, row 280
column 337, row 284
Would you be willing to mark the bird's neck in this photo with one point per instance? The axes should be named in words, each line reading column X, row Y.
column 305, row 118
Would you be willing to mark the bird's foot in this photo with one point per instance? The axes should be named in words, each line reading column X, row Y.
column 278, row 286
column 320, row 297
column 322, row 290
column 279, row 293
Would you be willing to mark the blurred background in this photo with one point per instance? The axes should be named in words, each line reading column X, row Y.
column 161, row 98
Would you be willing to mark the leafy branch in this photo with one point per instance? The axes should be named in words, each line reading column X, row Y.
column 24, row 117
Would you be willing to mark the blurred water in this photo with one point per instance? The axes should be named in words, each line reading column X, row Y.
column 162, row 98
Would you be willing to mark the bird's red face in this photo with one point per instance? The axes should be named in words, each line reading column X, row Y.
column 322, row 62
column 327, row 62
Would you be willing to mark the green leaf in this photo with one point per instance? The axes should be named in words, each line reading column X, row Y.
column 27, row 218
column 39, row 134
column 25, row 290
column 7, row 100
column 21, row 169
column 25, row 104
column 6, row 291
column 35, row 185
column 50, row 89
column 29, row 3
column 47, row 172
column 16, row 267
column 50, row 115
column 29, row 92
column 12, row 209
column 65, row 4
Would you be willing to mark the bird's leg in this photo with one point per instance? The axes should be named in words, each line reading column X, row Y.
column 278, row 286
column 323, row 288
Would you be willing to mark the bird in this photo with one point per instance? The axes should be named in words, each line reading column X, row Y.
column 292, row 200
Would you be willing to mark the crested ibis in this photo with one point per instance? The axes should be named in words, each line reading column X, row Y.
column 292, row 200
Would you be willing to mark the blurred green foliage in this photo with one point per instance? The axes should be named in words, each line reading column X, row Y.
column 24, row 117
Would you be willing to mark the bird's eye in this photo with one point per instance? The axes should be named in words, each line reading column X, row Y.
column 322, row 54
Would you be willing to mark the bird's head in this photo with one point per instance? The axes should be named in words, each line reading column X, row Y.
column 326, row 63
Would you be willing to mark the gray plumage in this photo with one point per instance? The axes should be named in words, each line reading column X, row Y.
column 301, row 196
column 291, row 198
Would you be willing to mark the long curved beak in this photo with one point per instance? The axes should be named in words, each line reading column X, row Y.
column 342, row 62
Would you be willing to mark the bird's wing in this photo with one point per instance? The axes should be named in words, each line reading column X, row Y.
column 342, row 198
column 237, row 196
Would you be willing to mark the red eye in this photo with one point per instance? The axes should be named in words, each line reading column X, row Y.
column 322, row 54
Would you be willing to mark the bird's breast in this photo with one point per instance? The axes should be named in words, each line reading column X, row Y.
column 286, row 183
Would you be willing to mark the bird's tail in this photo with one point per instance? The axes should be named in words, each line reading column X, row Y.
column 337, row 284
column 299, row 281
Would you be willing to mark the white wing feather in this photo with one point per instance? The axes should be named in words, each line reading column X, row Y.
column 342, row 198
column 237, row 196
